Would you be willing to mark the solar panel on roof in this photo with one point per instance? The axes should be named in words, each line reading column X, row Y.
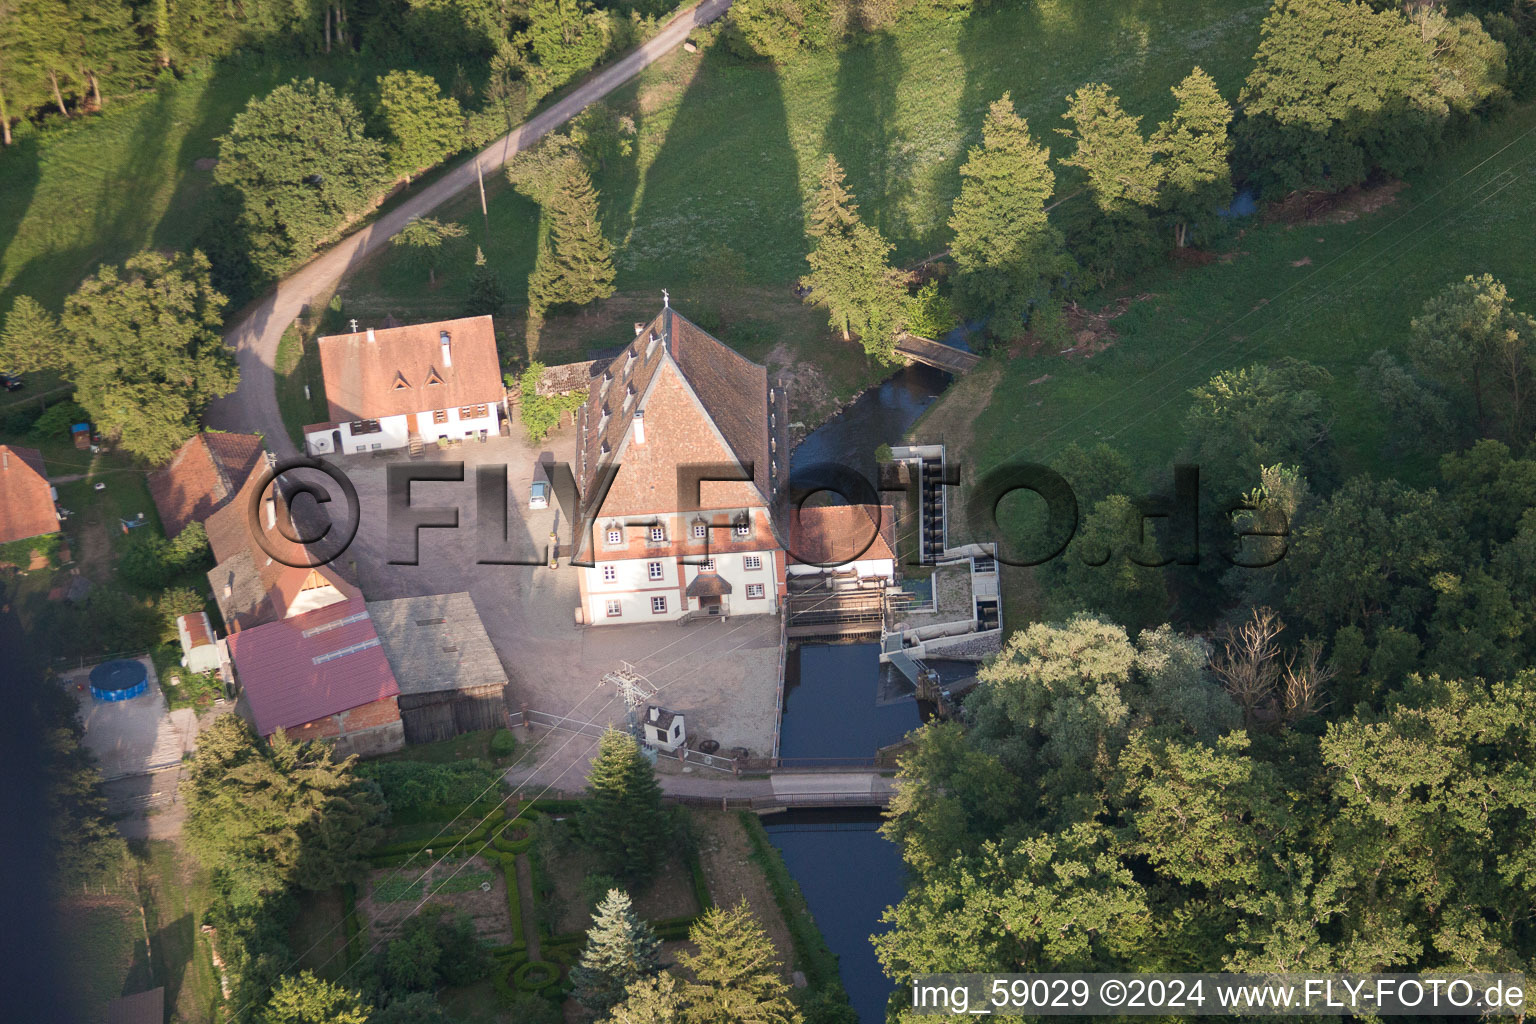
column 347, row 621
column 321, row 659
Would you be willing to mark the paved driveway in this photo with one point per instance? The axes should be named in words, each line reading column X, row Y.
column 721, row 675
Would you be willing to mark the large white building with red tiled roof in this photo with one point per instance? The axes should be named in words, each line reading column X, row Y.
column 678, row 402
column 431, row 381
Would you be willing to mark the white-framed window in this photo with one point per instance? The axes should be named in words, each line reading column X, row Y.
column 610, row 573
column 700, row 531
column 615, row 536
column 708, row 565
column 658, row 534
column 658, row 606
column 751, row 562
column 754, row 591
column 653, row 570
column 742, row 529
column 615, row 609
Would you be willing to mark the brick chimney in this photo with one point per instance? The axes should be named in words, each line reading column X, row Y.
column 442, row 339
column 639, row 426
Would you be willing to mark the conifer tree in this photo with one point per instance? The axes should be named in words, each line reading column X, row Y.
column 832, row 207
column 621, row 950
column 623, row 820
column 1195, row 147
column 32, row 338
column 735, row 972
column 1110, row 150
column 575, row 264
column 650, row 1001
column 486, row 296
column 849, row 273
column 1005, row 247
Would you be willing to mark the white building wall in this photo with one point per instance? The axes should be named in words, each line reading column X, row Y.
column 393, row 432
column 456, row 427
column 633, row 587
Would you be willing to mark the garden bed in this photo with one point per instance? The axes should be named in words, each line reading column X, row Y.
column 392, row 895
column 670, row 894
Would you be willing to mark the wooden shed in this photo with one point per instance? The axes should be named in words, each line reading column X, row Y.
column 451, row 679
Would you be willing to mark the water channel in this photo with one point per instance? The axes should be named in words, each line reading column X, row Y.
column 840, row 702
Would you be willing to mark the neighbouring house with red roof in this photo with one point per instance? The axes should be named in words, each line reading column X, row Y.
column 676, row 397
column 847, row 541
column 388, row 385
column 202, row 477
column 319, row 672
column 26, row 498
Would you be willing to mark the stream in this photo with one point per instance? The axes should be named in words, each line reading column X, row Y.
column 840, row 702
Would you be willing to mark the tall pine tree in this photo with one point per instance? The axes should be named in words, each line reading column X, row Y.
column 1113, row 235
column 1195, row 150
column 623, row 820
column 736, row 972
column 575, row 264
column 621, row 949
column 1005, row 247
column 849, row 273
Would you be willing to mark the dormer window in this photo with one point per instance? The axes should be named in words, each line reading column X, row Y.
column 650, row 346
column 658, row 535
column 604, row 448
column 742, row 528
column 700, row 531
column 400, row 382
column 434, row 377
column 615, row 535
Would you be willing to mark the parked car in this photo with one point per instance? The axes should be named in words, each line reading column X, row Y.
column 11, row 383
column 538, row 496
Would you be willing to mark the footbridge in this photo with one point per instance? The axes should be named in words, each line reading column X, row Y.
column 937, row 354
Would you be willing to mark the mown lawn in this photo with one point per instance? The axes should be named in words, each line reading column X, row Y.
column 105, row 186
column 298, row 368
column 709, row 205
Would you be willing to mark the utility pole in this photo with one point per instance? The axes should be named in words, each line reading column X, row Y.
column 636, row 691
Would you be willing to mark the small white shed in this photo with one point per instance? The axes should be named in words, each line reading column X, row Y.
column 199, row 652
column 664, row 729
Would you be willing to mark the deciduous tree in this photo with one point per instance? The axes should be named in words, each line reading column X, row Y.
column 306, row 999
column 423, row 126
column 423, row 240
column 302, row 164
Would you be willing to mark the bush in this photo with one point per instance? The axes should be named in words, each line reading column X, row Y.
column 409, row 785
column 503, row 743
column 530, row 1008
column 595, row 887
column 57, row 420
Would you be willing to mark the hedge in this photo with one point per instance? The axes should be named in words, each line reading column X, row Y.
column 405, row 850
column 536, row 975
column 352, row 924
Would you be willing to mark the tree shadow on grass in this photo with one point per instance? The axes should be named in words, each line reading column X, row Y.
column 863, row 132
column 719, row 201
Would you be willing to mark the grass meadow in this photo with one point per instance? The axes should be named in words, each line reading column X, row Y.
column 710, row 202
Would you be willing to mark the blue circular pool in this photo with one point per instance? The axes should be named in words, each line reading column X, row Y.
column 118, row 680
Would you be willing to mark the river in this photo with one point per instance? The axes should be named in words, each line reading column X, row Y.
column 839, row 701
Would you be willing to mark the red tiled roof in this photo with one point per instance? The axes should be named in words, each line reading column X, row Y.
column 26, row 499
column 276, row 665
column 837, row 534
column 202, row 476
column 394, row 373
column 703, row 404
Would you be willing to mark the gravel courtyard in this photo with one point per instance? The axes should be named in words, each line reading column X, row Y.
column 721, row 675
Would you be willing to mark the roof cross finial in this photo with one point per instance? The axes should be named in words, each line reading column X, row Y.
column 665, row 299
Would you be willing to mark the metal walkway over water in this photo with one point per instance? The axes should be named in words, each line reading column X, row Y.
column 937, row 354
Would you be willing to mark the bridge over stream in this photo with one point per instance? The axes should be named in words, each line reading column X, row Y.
column 937, row 354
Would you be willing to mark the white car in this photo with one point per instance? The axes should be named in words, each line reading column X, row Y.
column 538, row 495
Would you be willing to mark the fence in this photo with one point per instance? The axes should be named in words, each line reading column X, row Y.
column 768, row 803
column 778, row 699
